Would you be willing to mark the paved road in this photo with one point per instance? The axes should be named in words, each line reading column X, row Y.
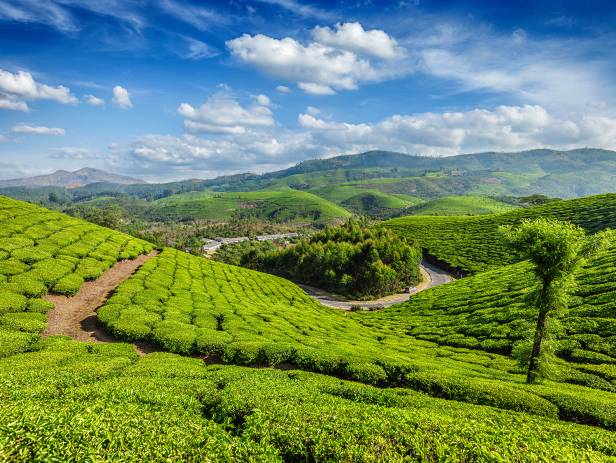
column 433, row 276
column 438, row 276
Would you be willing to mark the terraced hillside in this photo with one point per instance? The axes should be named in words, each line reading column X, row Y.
column 492, row 312
column 473, row 244
column 460, row 205
column 43, row 251
column 285, row 205
column 66, row 400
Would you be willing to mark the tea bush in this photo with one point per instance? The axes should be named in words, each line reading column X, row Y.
column 472, row 243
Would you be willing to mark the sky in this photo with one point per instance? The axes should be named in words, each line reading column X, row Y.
column 172, row 89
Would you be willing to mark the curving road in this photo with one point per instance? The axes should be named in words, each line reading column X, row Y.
column 433, row 276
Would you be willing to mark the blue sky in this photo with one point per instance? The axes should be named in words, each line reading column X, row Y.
column 170, row 89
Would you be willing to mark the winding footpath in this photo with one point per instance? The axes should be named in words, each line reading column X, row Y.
column 432, row 276
column 76, row 316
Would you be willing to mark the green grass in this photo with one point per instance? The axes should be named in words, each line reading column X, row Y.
column 460, row 205
column 473, row 243
column 63, row 400
column 285, row 205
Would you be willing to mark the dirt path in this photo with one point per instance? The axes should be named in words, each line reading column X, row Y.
column 76, row 316
column 432, row 276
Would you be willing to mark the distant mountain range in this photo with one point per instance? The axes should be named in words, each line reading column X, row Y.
column 563, row 174
column 63, row 178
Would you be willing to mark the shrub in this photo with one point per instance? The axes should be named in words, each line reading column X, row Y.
column 212, row 342
column 12, row 267
column 30, row 322
column 39, row 305
column 366, row 372
column 28, row 286
column 11, row 302
column 175, row 337
column 481, row 392
column 68, row 285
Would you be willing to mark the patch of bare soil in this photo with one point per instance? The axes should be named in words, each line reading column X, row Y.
column 76, row 316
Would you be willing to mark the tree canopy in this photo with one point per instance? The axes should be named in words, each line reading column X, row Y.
column 350, row 259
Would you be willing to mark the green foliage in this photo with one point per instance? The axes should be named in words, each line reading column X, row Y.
column 68, row 285
column 349, row 259
column 40, row 251
column 556, row 250
column 474, row 244
column 460, row 205
column 285, row 205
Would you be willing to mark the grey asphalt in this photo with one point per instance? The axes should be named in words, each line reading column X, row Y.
column 437, row 276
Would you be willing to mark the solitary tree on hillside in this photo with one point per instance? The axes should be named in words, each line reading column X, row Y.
column 556, row 250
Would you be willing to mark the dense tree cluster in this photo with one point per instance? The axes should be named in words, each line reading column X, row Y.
column 350, row 259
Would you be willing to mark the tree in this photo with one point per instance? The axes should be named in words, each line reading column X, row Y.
column 556, row 250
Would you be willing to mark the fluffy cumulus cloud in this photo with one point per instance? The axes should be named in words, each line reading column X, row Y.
column 37, row 130
column 16, row 88
column 121, row 97
column 337, row 59
column 93, row 100
column 223, row 114
column 283, row 89
column 353, row 37
column 449, row 133
column 230, row 147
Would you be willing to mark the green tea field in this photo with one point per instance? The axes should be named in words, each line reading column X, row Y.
column 253, row 369
column 473, row 244
column 285, row 205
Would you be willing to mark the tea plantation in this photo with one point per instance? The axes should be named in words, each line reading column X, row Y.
column 40, row 251
column 61, row 400
column 472, row 244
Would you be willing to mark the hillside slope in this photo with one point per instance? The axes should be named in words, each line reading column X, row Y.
column 63, row 399
column 460, row 205
column 473, row 244
column 285, row 205
column 62, row 178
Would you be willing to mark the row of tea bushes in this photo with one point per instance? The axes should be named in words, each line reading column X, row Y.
column 43, row 251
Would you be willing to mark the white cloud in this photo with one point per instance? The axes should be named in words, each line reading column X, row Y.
column 38, row 11
column 121, row 98
column 2, row 137
column 316, row 89
column 93, row 100
column 71, row 152
column 301, row 9
column 20, row 86
column 221, row 113
column 353, row 37
column 197, row 16
column 263, row 100
column 283, row 89
column 198, row 50
column 237, row 148
column 529, row 69
column 37, row 129
column 504, row 128
column 312, row 110
column 15, row 105
column 319, row 69
column 58, row 14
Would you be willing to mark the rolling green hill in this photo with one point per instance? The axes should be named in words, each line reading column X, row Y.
column 460, row 205
column 65, row 400
column 564, row 174
column 279, row 206
column 473, row 244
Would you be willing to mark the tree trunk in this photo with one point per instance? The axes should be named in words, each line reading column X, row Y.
column 545, row 305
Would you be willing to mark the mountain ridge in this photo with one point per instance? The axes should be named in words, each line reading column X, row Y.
column 67, row 179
